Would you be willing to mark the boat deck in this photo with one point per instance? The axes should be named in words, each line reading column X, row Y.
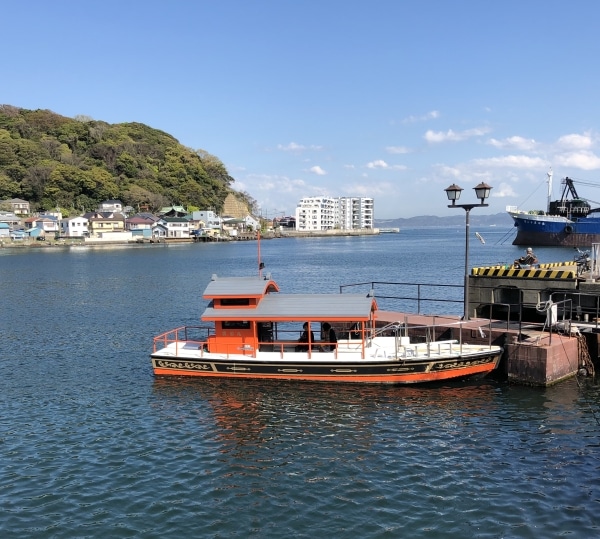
column 383, row 349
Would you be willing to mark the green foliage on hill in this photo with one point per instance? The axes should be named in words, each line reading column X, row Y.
column 75, row 163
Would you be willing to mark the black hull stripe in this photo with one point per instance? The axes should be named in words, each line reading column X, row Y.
column 331, row 369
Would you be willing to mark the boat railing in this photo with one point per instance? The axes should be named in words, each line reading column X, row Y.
column 419, row 294
column 184, row 336
column 437, row 331
column 197, row 338
column 429, row 349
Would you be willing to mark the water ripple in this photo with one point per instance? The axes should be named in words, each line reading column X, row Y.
column 92, row 445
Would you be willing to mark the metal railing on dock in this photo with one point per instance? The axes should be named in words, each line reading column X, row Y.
column 413, row 296
column 555, row 315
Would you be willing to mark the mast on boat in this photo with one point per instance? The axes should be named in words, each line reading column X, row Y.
column 261, row 264
column 549, row 174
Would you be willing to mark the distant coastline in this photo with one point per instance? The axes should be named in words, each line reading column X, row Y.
column 78, row 242
column 422, row 221
column 429, row 221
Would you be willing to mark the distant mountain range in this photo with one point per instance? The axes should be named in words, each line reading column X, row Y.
column 497, row 219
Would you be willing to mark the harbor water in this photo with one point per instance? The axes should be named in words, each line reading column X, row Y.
column 93, row 445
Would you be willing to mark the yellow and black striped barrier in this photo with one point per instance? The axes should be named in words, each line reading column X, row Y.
column 558, row 264
column 544, row 271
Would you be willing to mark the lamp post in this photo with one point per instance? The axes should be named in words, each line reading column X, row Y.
column 482, row 191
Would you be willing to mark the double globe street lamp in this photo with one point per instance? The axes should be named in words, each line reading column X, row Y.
column 482, row 191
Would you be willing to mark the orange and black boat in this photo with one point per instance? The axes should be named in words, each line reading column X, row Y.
column 254, row 331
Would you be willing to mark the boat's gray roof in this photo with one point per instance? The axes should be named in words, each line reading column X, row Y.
column 300, row 307
column 276, row 306
column 238, row 287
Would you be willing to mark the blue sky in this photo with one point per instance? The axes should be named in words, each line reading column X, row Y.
column 393, row 100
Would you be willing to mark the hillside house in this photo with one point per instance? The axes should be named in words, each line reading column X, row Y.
column 140, row 226
column 173, row 211
column 176, row 227
column 18, row 206
column 10, row 219
column 99, row 225
column 47, row 224
column 112, row 206
column 74, row 227
column 210, row 220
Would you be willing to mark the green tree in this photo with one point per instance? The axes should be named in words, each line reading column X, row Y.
column 47, row 159
column 8, row 187
column 34, row 183
column 8, row 156
column 126, row 164
column 191, row 192
column 105, row 187
column 63, row 184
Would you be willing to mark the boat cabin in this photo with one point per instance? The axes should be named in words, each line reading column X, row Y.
column 249, row 314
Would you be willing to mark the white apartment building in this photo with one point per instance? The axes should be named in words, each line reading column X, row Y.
column 327, row 213
column 355, row 212
column 316, row 213
column 74, row 227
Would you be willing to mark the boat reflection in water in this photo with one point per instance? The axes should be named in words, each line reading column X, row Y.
column 254, row 412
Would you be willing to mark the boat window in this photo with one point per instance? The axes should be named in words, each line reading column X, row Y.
column 235, row 324
column 235, row 301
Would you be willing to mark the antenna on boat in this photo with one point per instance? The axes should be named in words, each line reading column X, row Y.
column 261, row 264
column 549, row 174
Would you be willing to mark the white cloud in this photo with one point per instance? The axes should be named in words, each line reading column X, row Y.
column 317, row 170
column 454, row 136
column 513, row 161
column 235, row 168
column 381, row 164
column 265, row 182
column 516, row 143
column 446, row 172
column 294, row 147
column 431, row 115
column 398, row 149
column 512, row 164
column 582, row 160
column 503, row 190
column 575, row 142
column 368, row 189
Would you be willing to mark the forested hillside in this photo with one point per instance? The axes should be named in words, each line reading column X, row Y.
column 75, row 163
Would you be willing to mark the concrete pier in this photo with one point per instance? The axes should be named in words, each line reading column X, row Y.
column 542, row 363
column 547, row 318
column 534, row 354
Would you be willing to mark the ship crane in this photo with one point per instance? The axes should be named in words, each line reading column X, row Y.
column 570, row 189
column 570, row 205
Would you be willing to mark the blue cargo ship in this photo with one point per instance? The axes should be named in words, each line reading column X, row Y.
column 568, row 222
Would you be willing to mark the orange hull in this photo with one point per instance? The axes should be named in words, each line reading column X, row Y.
column 396, row 378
